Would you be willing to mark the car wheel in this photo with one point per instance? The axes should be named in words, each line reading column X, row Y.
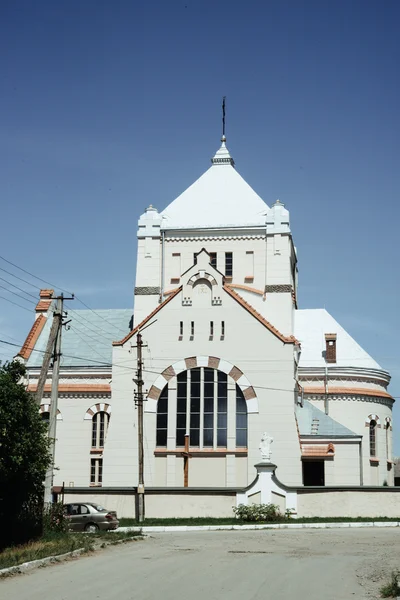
column 91, row 528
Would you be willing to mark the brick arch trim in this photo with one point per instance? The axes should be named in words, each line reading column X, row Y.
column 372, row 418
column 44, row 408
column 99, row 407
column 202, row 275
column 202, row 361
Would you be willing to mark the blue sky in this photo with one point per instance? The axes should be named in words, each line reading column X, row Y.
column 106, row 107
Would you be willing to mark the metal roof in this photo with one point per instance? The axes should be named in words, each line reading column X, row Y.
column 88, row 339
column 312, row 421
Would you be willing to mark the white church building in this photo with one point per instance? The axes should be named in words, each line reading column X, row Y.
column 228, row 356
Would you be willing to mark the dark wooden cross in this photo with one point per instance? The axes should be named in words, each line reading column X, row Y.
column 186, row 456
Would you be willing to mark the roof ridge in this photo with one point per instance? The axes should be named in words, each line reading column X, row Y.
column 146, row 319
column 286, row 339
column 32, row 337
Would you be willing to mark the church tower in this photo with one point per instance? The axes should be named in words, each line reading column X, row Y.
column 248, row 242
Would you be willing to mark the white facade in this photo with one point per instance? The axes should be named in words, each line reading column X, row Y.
column 227, row 356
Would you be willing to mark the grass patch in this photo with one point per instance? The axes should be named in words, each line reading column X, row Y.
column 391, row 589
column 60, row 543
column 51, row 545
column 232, row 521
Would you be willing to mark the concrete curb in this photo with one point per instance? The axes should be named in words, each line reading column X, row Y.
column 252, row 527
column 41, row 562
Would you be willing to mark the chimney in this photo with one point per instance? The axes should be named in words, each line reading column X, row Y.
column 330, row 351
column 44, row 302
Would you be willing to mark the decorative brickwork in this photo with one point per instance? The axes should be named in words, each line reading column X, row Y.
column 278, row 289
column 147, row 291
column 249, row 393
column 154, row 393
column 235, row 373
column 97, row 408
column 213, row 362
column 191, row 363
column 169, row 373
column 45, row 408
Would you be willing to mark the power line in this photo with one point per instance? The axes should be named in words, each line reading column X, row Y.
column 16, row 304
column 258, row 387
column 15, row 294
column 53, row 286
column 19, row 278
column 98, row 314
column 34, row 276
column 18, row 288
column 80, row 318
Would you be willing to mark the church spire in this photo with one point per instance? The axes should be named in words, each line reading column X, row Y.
column 222, row 156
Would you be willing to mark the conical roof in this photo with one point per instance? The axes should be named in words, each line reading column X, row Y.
column 219, row 198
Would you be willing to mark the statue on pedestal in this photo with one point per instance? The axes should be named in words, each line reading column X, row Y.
column 265, row 447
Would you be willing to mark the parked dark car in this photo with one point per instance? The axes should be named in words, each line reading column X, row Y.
column 87, row 516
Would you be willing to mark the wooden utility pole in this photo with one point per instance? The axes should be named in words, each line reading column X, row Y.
column 47, row 356
column 53, row 350
column 57, row 319
column 139, row 401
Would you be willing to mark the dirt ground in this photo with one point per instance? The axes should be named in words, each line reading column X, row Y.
column 333, row 564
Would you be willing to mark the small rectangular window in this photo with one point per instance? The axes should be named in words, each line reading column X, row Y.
column 213, row 259
column 181, row 329
column 211, row 328
column 96, row 471
column 222, row 328
column 249, row 267
column 192, row 328
column 176, row 266
column 228, row 264
column 195, row 258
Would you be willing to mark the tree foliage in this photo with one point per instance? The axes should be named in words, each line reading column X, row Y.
column 24, row 458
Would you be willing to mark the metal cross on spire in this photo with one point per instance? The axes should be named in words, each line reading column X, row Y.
column 223, row 117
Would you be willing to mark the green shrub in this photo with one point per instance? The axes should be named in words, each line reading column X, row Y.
column 392, row 589
column 54, row 519
column 258, row 512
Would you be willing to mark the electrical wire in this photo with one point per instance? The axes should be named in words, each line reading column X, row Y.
column 258, row 387
column 18, row 288
column 16, row 294
column 54, row 287
column 34, row 276
column 16, row 304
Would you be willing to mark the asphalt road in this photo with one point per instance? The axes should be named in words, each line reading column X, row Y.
column 340, row 564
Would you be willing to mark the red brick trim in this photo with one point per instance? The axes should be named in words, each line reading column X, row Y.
column 285, row 339
column 148, row 318
column 345, row 390
column 32, row 337
column 75, row 387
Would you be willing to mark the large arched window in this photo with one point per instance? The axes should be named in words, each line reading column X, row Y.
column 99, row 429
column 372, row 437
column 210, row 408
